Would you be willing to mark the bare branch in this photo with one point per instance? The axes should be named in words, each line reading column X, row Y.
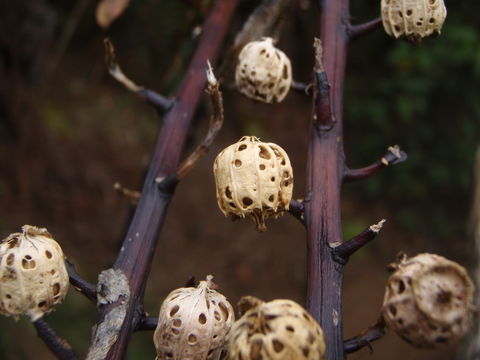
column 159, row 102
column 372, row 333
column 393, row 156
column 323, row 116
column 297, row 209
column 343, row 251
column 356, row 31
column 216, row 122
column 132, row 195
column 60, row 347
column 302, row 87
column 80, row 284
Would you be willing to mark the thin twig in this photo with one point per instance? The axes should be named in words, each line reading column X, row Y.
column 60, row 347
column 216, row 122
column 372, row 333
column 393, row 156
column 297, row 209
column 302, row 87
column 343, row 251
column 132, row 195
column 356, row 31
column 80, row 284
column 159, row 102
column 323, row 116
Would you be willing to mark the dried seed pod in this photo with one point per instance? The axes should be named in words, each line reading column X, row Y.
column 193, row 323
column 263, row 72
column 253, row 179
column 32, row 272
column 428, row 301
column 276, row 330
column 413, row 19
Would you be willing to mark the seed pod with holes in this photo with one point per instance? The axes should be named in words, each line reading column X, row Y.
column 253, row 179
column 413, row 19
column 428, row 301
column 32, row 272
column 263, row 72
column 193, row 323
column 276, row 330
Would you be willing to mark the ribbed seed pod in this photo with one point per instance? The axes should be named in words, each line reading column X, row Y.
column 33, row 277
column 413, row 19
column 253, row 179
column 263, row 72
column 275, row 330
column 428, row 301
column 193, row 323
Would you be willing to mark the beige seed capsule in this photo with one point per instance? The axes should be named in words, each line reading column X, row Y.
column 428, row 301
column 32, row 272
column 263, row 72
column 275, row 330
column 193, row 323
column 413, row 19
column 253, row 179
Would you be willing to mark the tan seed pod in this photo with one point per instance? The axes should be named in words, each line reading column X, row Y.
column 253, row 179
column 276, row 330
column 263, row 72
column 32, row 272
column 413, row 19
column 193, row 323
column 428, row 301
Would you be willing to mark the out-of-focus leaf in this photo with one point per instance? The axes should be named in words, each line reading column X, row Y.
column 109, row 10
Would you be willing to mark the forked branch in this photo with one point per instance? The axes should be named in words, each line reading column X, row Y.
column 393, row 156
column 60, row 347
column 159, row 102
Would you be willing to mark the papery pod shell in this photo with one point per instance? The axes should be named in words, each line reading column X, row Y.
column 193, row 323
column 253, row 179
column 33, row 277
column 263, row 72
column 276, row 330
column 428, row 301
column 413, row 19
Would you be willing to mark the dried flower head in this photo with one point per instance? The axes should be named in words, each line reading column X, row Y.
column 263, row 72
column 428, row 301
column 276, row 330
column 32, row 272
column 253, row 179
column 193, row 323
column 413, row 19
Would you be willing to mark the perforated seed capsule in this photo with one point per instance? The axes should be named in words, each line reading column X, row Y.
column 413, row 19
column 33, row 277
column 428, row 301
column 263, row 72
column 193, row 323
column 253, row 179
column 276, row 330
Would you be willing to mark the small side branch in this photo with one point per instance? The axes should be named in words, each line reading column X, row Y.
column 159, row 102
column 374, row 332
column 60, row 347
column 305, row 89
column 147, row 323
column 80, row 284
column 323, row 117
column 297, row 209
column 343, row 251
column 356, row 31
column 393, row 156
column 130, row 194
column 216, row 122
